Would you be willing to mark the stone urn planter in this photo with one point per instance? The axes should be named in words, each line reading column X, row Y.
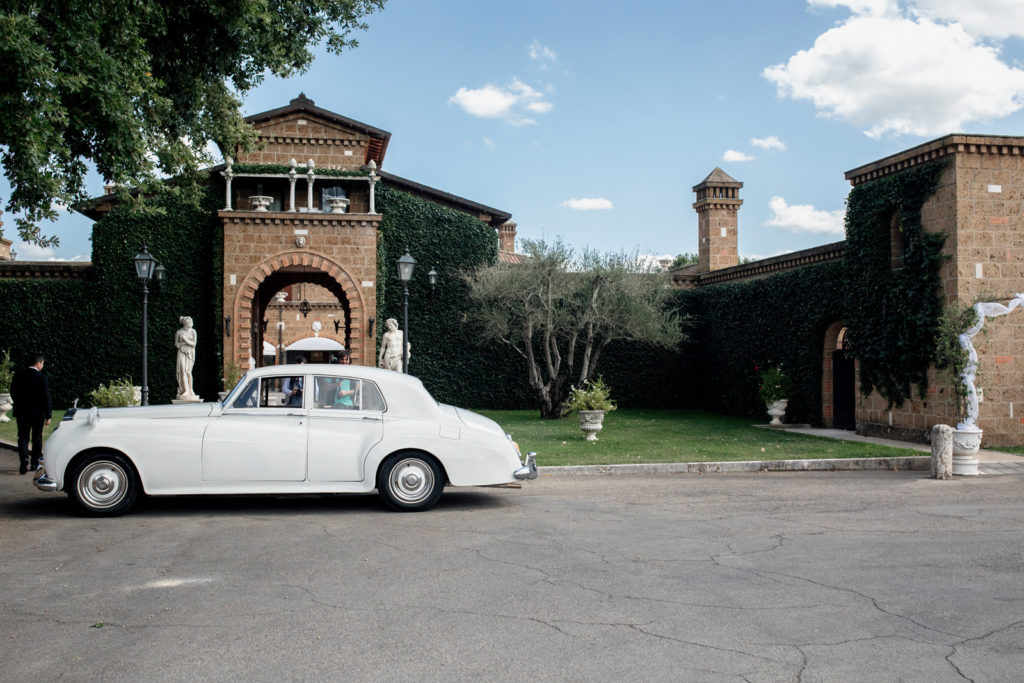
column 221, row 395
column 338, row 204
column 591, row 422
column 5, row 405
column 260, row 202
column 966, row 443
column 777, row 409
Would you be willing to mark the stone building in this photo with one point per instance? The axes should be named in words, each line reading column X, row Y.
column 979, row 206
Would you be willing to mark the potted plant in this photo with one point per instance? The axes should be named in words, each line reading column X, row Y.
column 6, row 375
column 119, row 394
column 774, row 391
column 591, row 402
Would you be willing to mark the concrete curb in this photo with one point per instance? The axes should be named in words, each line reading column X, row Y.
column 916, row 462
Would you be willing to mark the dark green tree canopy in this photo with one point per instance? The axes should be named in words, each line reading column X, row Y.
column 138, row 87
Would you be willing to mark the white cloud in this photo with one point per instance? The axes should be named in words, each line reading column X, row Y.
column 992, row 18
column 588, row 204
column 488, row 143
column 870, row 7
column 891, row 75
column 540, row 52
column 733, row 155
column 804, row 218
column 769, row 143
column 33, row 252
column 508, row 103
column 487, row 102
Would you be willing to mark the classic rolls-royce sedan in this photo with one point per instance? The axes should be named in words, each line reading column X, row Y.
column 283, row 429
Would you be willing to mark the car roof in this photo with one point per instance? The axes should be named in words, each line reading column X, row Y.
column 355, row 371
column 405, row 393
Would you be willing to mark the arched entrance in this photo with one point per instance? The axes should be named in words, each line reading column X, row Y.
column 283, row 272
column 839, row 381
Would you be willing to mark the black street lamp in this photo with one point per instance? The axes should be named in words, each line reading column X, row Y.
column 146, row 268
column 406, row 264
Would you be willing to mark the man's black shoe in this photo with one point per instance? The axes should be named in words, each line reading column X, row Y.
column 35, row 464
column 23, row 468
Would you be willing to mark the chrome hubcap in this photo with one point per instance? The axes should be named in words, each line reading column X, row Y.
column 411, row 480
column 102, row 484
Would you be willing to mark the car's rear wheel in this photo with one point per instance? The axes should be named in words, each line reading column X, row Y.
column 410, row 481
column 104, row 484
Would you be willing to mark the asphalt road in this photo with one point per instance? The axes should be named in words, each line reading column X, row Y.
column 846, row 576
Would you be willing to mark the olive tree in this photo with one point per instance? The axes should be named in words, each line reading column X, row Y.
column 137, row 88
column 559, row 309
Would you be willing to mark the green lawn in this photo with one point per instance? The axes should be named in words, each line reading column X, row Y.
column 648, row 436
column 645, row 436
column 9, row 430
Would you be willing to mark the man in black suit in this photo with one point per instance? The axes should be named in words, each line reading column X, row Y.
column 30, row 392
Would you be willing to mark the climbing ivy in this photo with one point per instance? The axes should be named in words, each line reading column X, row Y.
column 446, row 353
column 892, row 313
column 300, row 171
column 779, row 320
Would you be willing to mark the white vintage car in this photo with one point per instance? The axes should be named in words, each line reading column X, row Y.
column 283, row 429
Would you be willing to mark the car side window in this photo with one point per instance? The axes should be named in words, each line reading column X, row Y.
column 343, row 393
column 282, row 392
column 371, row 398
column 247, row 399
column 336, row 393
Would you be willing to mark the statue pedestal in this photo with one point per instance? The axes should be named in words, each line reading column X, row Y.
column 186, row 400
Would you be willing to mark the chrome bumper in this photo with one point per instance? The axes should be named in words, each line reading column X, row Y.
column 42, row 481
column 529, row 469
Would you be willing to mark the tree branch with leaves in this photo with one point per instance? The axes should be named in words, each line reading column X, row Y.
column 137, row 88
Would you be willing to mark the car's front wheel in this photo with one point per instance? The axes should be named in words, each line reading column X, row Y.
column 409, row 482
column 104, row 484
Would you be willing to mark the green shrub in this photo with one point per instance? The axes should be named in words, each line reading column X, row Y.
column 774, row 384
column 593, row 395
column 6, row 372
column 118, row 394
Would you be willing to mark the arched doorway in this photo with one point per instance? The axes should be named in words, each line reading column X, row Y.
column 288, row 273
column 839, row 385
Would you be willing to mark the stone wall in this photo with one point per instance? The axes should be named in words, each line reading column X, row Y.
column 979, row 205
column 301, row 137
column 339, row 247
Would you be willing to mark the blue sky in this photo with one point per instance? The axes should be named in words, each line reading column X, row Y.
column 592, row 120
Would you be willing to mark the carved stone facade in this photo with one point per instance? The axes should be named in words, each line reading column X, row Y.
column 315, row 232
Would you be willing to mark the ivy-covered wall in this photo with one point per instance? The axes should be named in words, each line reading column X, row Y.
column 893, row 311
column 90, row 331
column 445, row 352
column 780, row 319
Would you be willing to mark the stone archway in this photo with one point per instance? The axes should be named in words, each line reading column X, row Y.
column 838, row 381
column 286, row 268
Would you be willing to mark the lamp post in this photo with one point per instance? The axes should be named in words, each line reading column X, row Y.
column 279, row 298
column 406, row 264
column 146, row 268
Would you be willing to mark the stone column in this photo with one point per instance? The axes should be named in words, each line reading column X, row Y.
column 942, row 452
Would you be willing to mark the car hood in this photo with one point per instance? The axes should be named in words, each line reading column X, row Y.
column 152, row 412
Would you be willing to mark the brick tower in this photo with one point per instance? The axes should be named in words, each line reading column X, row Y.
column 718, row 203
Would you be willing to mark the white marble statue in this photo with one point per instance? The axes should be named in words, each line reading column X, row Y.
column 390, row 356
column 185, row 341
column 984, row 310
